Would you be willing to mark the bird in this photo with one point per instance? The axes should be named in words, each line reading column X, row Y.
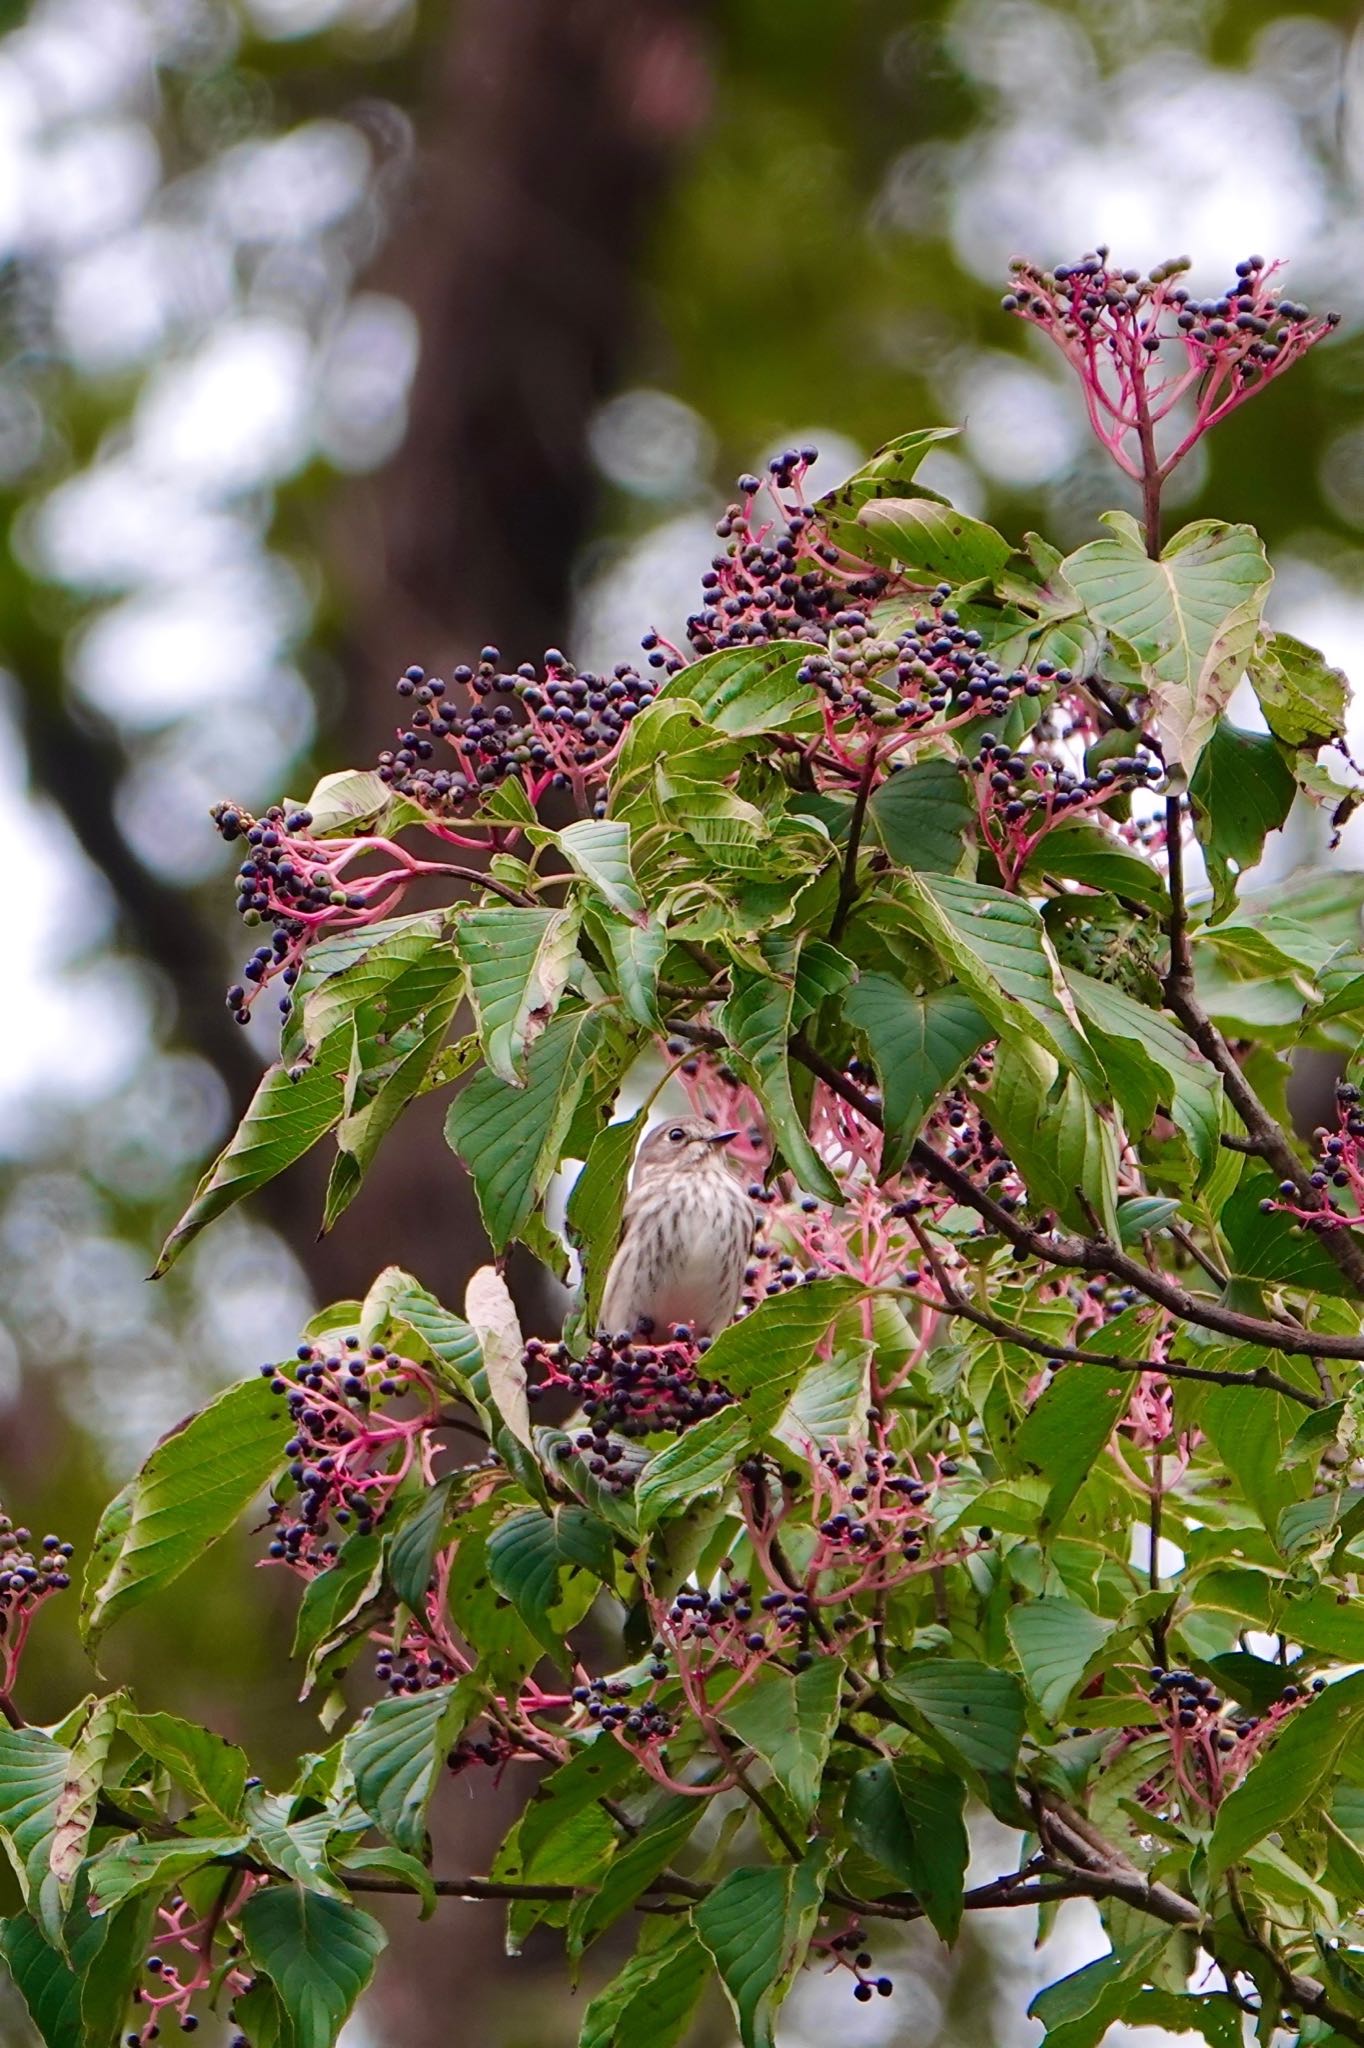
column 687, row 1233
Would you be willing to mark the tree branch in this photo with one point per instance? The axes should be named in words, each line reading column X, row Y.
column 1267, row 1137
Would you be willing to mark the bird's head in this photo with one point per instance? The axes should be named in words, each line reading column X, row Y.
column 686, row 1144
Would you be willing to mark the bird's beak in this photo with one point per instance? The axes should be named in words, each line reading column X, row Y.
column 722, row 1137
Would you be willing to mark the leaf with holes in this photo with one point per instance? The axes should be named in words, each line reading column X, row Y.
column 1302, row 697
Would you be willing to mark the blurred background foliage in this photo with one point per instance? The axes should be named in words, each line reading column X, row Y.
column 338, row 334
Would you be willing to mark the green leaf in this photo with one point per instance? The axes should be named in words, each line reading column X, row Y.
column 284, row 1120
column 319, row 1954
column 918, row 1046
column 599, row 849
column 526, row 1552
column 1167, row 1061
column 760, row 1358
column 747, row 690
column 650, row 2003
column 519, row 963
column 1189, row 618
column 597, row 1202
column 829, row 1401
column 399, row 973
column 125, row 1867
column 510, row 1138
column 757, row 1926
column 411, row 1550
column 361, row 1132
column 1302, row 697
column 1142, row 1214
column 789, row 1722
column 396, row 1755
column 637, row 1863
column 1081, row 850
column 1054, row 1639
column 355, row 801
column 1242, row 789
column 888, row 474
column 1069, row 1424
column 339, row 1605
column 35, row 1773
column 1078, row 2010
column 1270, row 1247
column 636, row 949
column 758, row 1020
column 932, row 542
column 103, row 1958
column 972, row 1716
column 907, row 1814
column 997, row 948
column 188, row 1495
column 212, row 1770
column 1066, row 1152
column 1251, row 1428
column 1294, row 1773
column 492, row 1315
column 701, row 1461
column 924, row 815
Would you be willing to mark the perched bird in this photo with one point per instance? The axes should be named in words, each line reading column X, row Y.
column 687, row 1235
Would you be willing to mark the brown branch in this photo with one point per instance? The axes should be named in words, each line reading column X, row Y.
column 1059, row 1248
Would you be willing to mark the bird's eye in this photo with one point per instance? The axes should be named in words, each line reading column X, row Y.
column 677, row 1134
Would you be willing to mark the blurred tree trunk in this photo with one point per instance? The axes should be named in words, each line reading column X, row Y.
column 545, row 153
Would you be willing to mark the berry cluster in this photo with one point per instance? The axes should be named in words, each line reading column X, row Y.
column 1022, row 793
column 628, row 1388
column 730, row 1629
column 346, row 1461
column 1211, row 1745
column 172, row 1985
column 607, row 1702
column 548, row 725
column 868, row 1511
column 933, row 665
column 779, row 576
column 29, row 1572
column 849, row 1951
column 1112, row 326
column 299, row 885
column 1339, row 1179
